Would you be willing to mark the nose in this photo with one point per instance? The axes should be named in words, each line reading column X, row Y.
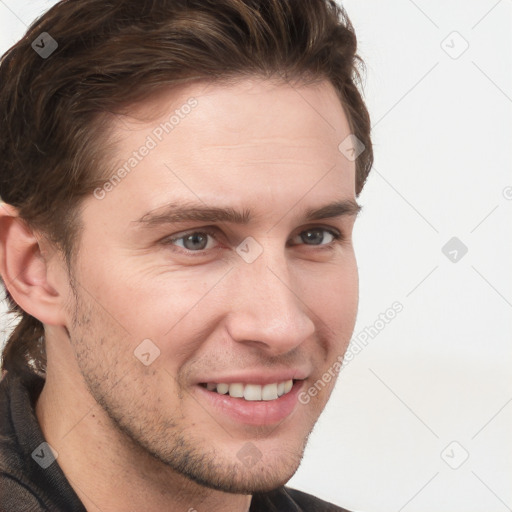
column 266, row 309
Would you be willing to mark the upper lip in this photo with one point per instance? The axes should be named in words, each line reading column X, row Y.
column 261, row 377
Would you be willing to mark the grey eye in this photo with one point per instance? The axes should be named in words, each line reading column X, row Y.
column 316, row 236
column 196, row 241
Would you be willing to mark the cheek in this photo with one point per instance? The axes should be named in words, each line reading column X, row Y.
column 149, row 304
column 332, row 292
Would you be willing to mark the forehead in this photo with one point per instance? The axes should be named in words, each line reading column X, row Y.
column 238, row 115
column 253, row 140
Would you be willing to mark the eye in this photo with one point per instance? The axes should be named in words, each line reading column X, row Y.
column 317, row 236
column 194, row 241
column 201, row 241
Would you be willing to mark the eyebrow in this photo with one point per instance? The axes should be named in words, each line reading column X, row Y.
column 182, row 212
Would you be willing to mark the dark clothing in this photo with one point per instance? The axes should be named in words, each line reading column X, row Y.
column 25, row 486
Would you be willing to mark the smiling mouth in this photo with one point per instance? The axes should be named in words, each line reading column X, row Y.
column 251, row 392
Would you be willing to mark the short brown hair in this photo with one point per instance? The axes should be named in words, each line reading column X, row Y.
column 112, row 54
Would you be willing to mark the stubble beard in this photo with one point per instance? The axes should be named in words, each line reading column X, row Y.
column 157, row 444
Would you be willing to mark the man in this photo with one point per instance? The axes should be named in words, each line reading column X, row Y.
column 179, row 183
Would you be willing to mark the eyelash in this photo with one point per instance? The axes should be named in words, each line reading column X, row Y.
column 337, row 236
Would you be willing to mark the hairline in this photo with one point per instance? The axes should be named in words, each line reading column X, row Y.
column 106, row 136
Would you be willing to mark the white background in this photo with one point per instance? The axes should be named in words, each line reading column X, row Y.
column 440, row 371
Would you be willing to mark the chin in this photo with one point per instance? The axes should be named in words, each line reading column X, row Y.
column 230, row 471
column 258, row 479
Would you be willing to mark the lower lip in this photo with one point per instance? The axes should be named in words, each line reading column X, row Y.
column 257, row 412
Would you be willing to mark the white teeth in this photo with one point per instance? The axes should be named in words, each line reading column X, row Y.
column 222, row 388
column 236, row 390
column 252, row 392
column 269, row 392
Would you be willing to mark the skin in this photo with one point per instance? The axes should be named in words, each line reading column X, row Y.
column 137, row 437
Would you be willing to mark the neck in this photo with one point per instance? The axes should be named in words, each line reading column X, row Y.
column 107, row 469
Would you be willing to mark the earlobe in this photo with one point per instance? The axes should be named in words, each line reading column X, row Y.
column 24, row 269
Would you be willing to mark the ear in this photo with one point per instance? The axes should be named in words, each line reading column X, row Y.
column 24, row 269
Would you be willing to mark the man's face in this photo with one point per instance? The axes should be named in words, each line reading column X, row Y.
column 279, row 307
